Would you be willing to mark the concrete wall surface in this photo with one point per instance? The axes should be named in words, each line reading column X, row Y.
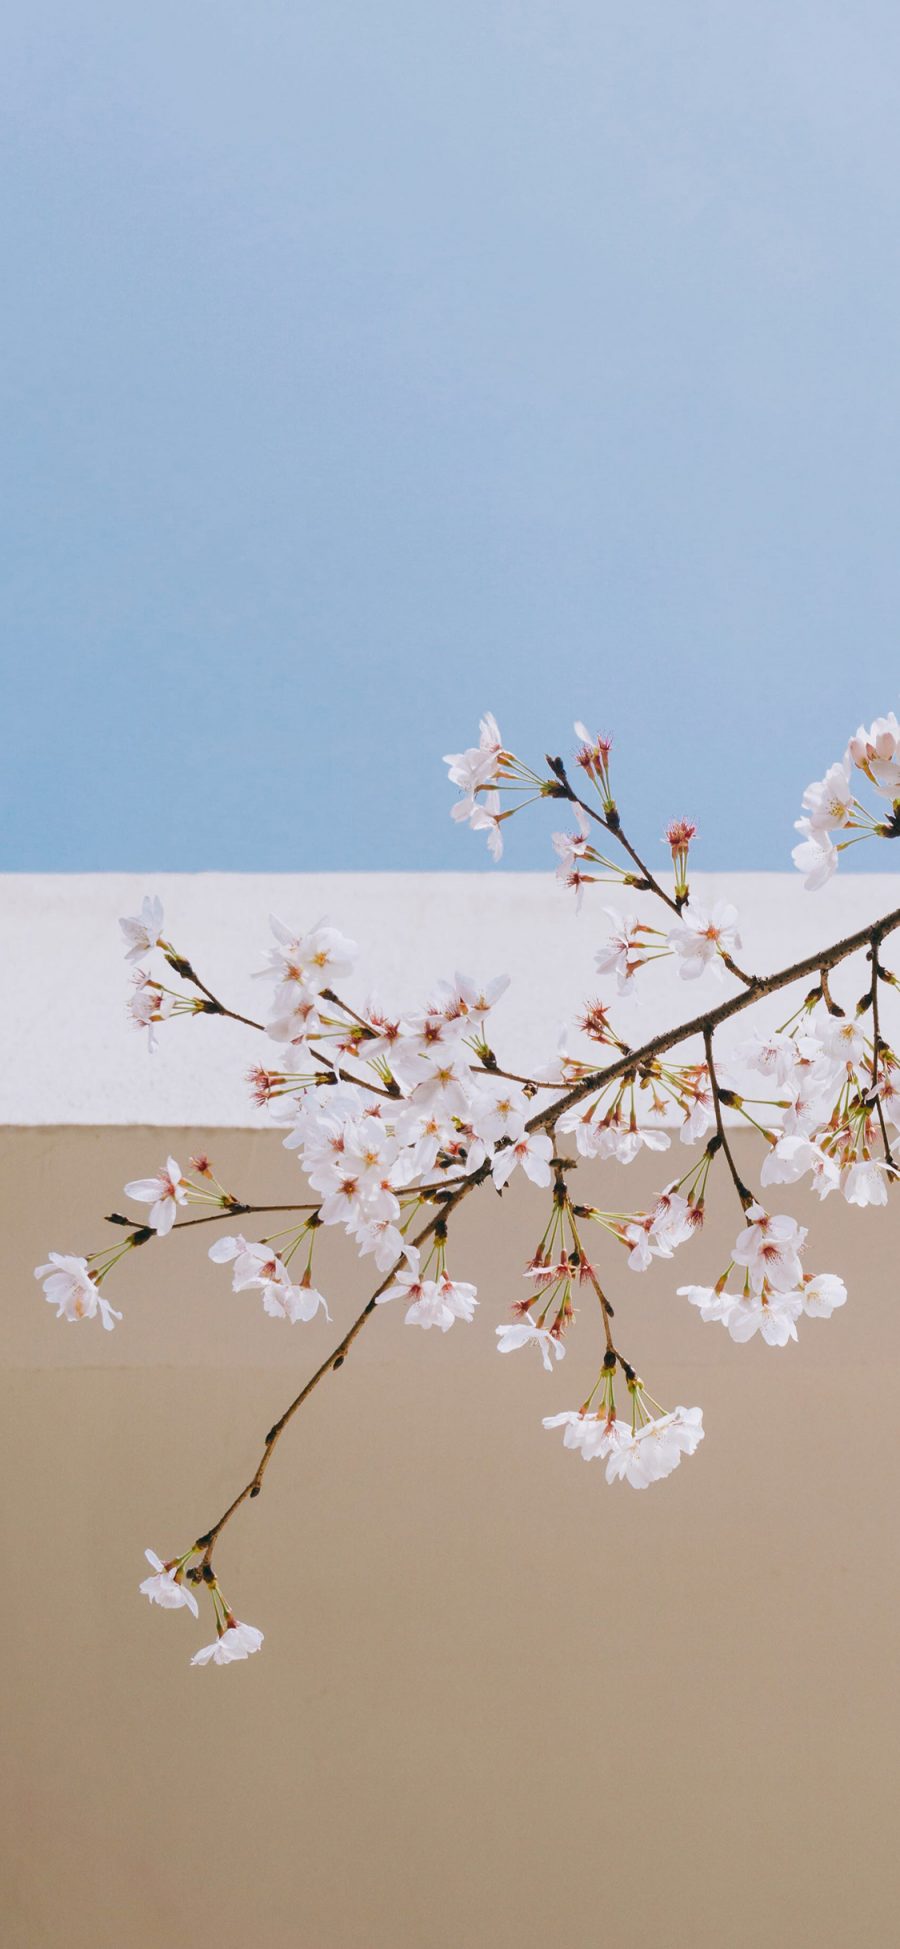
column 499, row 1703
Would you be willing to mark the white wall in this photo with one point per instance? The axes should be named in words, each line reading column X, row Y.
column 72, row 1056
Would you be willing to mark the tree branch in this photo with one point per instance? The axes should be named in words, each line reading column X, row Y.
column 703, row 1025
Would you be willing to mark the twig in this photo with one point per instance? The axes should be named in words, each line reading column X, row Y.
column 746, row 1197
column 335, row 1359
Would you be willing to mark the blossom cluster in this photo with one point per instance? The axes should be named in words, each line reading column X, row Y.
column 396, row 1114
column 830, row 804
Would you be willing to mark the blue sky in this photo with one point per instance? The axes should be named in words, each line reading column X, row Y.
column 367, row 366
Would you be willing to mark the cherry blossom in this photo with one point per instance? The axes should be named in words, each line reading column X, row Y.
column 771, row 1313
column 312, row 961
column 163, row 1193
column 72, row 1288
column 829, row 803
column 865, row 1182
column 714, row 1303
column 653, row 1451
column 773, row 1056
column 167, row 1587
column 594, row 1436
column 257, row 1268
column 524, row 1333
column 149, row 1004
column 790, row 1158
column 430, row 1302
column 234, row 1642
column 533, row 1150
column 701, row 937
column 822, row 1294
column 816, row 857
column 625, row 952
column 770, row 1249
column 143, row 931
column 877, row 753
column 483, row 815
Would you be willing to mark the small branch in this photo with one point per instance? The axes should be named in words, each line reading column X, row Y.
column 182, row 967
column 143, row 1233
column 648, row 880
column 832, row 1006
column 651, row 883
column 335, row 1360
column 746, row 1197
column 877, row 1046
column 605, row 1307
column 509, row 1076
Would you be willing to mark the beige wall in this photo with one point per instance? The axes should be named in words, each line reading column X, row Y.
column 499, row 1704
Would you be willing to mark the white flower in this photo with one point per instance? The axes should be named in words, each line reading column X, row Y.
column 771, row 1314
column 769, row 1248
column 148, row 1004
column 445, row 1088
column 162, row 1194
column 829, row 802
column 815, row 857
column 865, row 1183
column 407, row 1280
column 483, row 815
column 479, row 765
column 429, row 1309
column 459, row 1296
column 312, row 961
column 524, row 1333
column 533, row 1151
column 790, row 1159
column 822, row 1294
column 295, row 1019
column 471, row 1001
column 381, row 1237
column 624, row 952
column 432, row 1302
column 143, row 931
column 843, row 1041
column 712, row 1302
column 700, row 937
column 624, row 1141
column 592, row 1435
column 236, row 1641
column 167, row 1587
column 69, row 1286
column 652, row 1452
column 282, row 1300
column 700, row 1117
column 257, row 1268
column 499, row 1110
column 877, row 752
column 826, row 1175
column 773, row 1056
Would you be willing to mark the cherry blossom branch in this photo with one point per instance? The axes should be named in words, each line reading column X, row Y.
column 704, row 1025
column 182, row 967
column 827, row 958
column 333, row 1362
column 234, row 1209
column 648, row 882
column 613, row 825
